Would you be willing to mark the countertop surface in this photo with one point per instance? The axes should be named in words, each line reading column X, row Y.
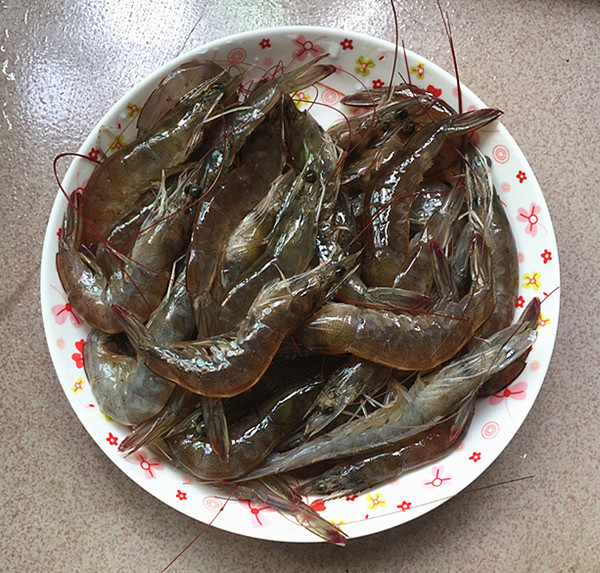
column 66, row 507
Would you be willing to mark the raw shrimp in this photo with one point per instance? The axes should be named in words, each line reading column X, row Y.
column 405, row 341
column 225, row 366
column 387, row 204
column 253, row 437
column 365, row 130
column 92, row 292
column 233, row 196
column 489, row 219
column 291, row 244
column 123, row 176
column 431, row 398
column 370, row 470
column 124, row 387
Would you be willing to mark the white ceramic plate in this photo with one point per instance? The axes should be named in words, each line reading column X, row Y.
column 362, row 61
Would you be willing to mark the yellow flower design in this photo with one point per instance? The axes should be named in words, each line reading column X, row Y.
column 532, row 281
column 117, row 143
column 544, row 320
column 337, row 522
column 78, row 385
column 133, row 110
column 301, row 99
column 363, row 65
column 419, row 69
column 374, row 501
column 106, row 416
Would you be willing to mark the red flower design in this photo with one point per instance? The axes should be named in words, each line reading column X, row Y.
column 112, row 440
column 546, row 255
column 351, row 497
column 347, row 44
column 318, row 505
column 476, row 456
column 437, row 92
column 78, row 356
column 93, row 154
column 377, row 84
column 181, row 495
column 521, row 176
column 520, row 302
column 265, row 43
column 404, row 505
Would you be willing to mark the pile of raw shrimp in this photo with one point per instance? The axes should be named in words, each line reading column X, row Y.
column 268, row 297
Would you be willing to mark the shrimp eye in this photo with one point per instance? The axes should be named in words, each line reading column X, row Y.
column 401, row 114
column 409, row 128
column 310, row 177
column 194, row 191
column 340, row 272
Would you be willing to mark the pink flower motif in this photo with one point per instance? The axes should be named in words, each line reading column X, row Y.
column 347, row 44
column 257, row 519
column 265, row 43
column 305, row 47
column 521, row 176
column 377, row 84
column 530, row 217
column 62, row 312
column 516, row 391
column 150, row 466
column 437, row 481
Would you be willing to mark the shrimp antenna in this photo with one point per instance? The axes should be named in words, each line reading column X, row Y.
column 446, row 22
column 390, row 90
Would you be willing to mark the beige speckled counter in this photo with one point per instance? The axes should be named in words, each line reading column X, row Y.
column 66, row 507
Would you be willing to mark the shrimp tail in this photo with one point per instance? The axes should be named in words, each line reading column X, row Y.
column 137, row 333
column 217, row 430
column 158, row 426
column 306, row 75
column 277, row 493
column 470, row 121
